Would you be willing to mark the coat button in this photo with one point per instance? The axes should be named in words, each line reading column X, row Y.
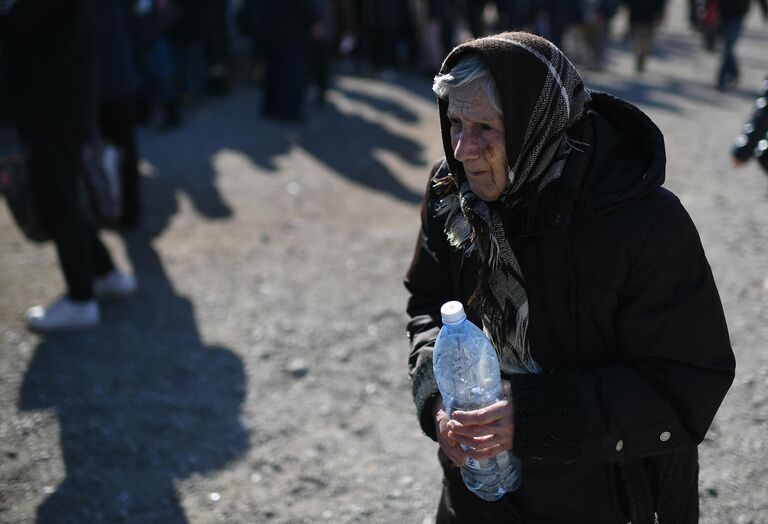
column 665, row 436
column 620, row 445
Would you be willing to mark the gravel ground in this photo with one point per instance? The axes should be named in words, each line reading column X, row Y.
column 260, row 373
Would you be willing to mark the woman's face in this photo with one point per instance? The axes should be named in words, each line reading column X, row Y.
column 477, row 139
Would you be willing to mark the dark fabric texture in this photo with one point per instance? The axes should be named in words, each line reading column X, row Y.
column 625, row 319
column 50, row 51
column 54, row 162
column 118, row 76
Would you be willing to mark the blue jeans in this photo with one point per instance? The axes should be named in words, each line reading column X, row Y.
column 729, row 70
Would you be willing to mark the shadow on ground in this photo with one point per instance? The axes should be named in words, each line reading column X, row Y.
column 141, row 403
column 345, row 143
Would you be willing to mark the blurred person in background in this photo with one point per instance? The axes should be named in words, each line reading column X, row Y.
column 753, row 141
column 283, row 30
column 217, row 48
column 52, row 63
column 189, row 33
column 732, row 14
column 597, row 15
column 548, row 219
column 387, row 32
column 118, row 85
column 644, row 19
column 150, row 23
column 438, row 33
column 554, row 16
column 322, row 47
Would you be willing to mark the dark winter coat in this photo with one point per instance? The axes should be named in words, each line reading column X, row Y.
column 118, row 76
column 626, row 321
column 48, row 47
column 754, row 139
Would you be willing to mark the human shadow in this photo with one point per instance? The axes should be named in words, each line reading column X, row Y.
column 346, row 143
column 352, row 151
column 385, row 106
column 141, row 402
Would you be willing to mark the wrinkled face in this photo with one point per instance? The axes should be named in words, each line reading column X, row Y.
column 477, row 140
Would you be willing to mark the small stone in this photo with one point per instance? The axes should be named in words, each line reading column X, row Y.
column 293, row 188
column 215, row 497
column 370, row 388
column 327, row 514
column 255, row 477
column 48, row 490
column 406, row 480
column 373, row 330
column 712, row 492
column 298, row 368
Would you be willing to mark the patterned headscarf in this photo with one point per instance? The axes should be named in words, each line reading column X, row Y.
column 542, row 95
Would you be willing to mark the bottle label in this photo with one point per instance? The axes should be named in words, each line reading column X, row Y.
column 472, row 463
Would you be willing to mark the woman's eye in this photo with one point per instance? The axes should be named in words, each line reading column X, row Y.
column 487, row 127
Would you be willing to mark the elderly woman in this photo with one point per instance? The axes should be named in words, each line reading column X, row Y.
column 547, row 217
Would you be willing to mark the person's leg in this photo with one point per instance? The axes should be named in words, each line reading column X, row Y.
column 729, row 69
column 117, row 126
column 54, row 162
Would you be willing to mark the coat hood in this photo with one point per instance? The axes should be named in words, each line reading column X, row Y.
column 622, row 157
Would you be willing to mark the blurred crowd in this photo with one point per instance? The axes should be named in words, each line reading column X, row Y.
column 74, row 73
column 172, row 53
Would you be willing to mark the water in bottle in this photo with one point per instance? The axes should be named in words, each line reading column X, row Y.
column 467, row 373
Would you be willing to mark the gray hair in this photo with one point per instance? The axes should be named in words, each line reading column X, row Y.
column 464, row 73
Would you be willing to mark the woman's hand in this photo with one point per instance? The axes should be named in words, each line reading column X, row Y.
column 484, row 432
column 450, row 446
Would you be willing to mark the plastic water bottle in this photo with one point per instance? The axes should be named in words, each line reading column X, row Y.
column 467, row 373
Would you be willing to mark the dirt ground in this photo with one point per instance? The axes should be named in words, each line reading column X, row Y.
column 259, row 376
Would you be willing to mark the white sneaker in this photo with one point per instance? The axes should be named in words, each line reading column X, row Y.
column 64, row 315
column 115, row 284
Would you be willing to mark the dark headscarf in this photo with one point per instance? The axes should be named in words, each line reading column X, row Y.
column 542, row 96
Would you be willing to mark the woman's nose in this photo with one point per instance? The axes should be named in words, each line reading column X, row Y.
column 465, row 147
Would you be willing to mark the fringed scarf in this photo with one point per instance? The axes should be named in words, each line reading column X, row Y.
column 542, row 96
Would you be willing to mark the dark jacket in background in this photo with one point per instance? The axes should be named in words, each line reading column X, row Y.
column 118, row 76
column 48, row 47
column 282, row 23
column 625, row 320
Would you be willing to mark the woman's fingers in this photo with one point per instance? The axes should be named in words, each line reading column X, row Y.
column 483, row 416
column 477, row 443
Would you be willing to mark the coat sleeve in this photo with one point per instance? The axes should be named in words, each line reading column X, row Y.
column 673, row 368
column 429, row 283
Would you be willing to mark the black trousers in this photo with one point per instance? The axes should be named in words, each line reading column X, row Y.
column 54, row 163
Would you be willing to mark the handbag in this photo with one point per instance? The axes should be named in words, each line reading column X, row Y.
column 14, row 185
column 99, row 181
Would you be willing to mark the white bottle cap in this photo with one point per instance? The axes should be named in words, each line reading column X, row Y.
column 452, row 312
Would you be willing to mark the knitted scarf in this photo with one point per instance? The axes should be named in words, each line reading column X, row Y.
column 542, row 95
